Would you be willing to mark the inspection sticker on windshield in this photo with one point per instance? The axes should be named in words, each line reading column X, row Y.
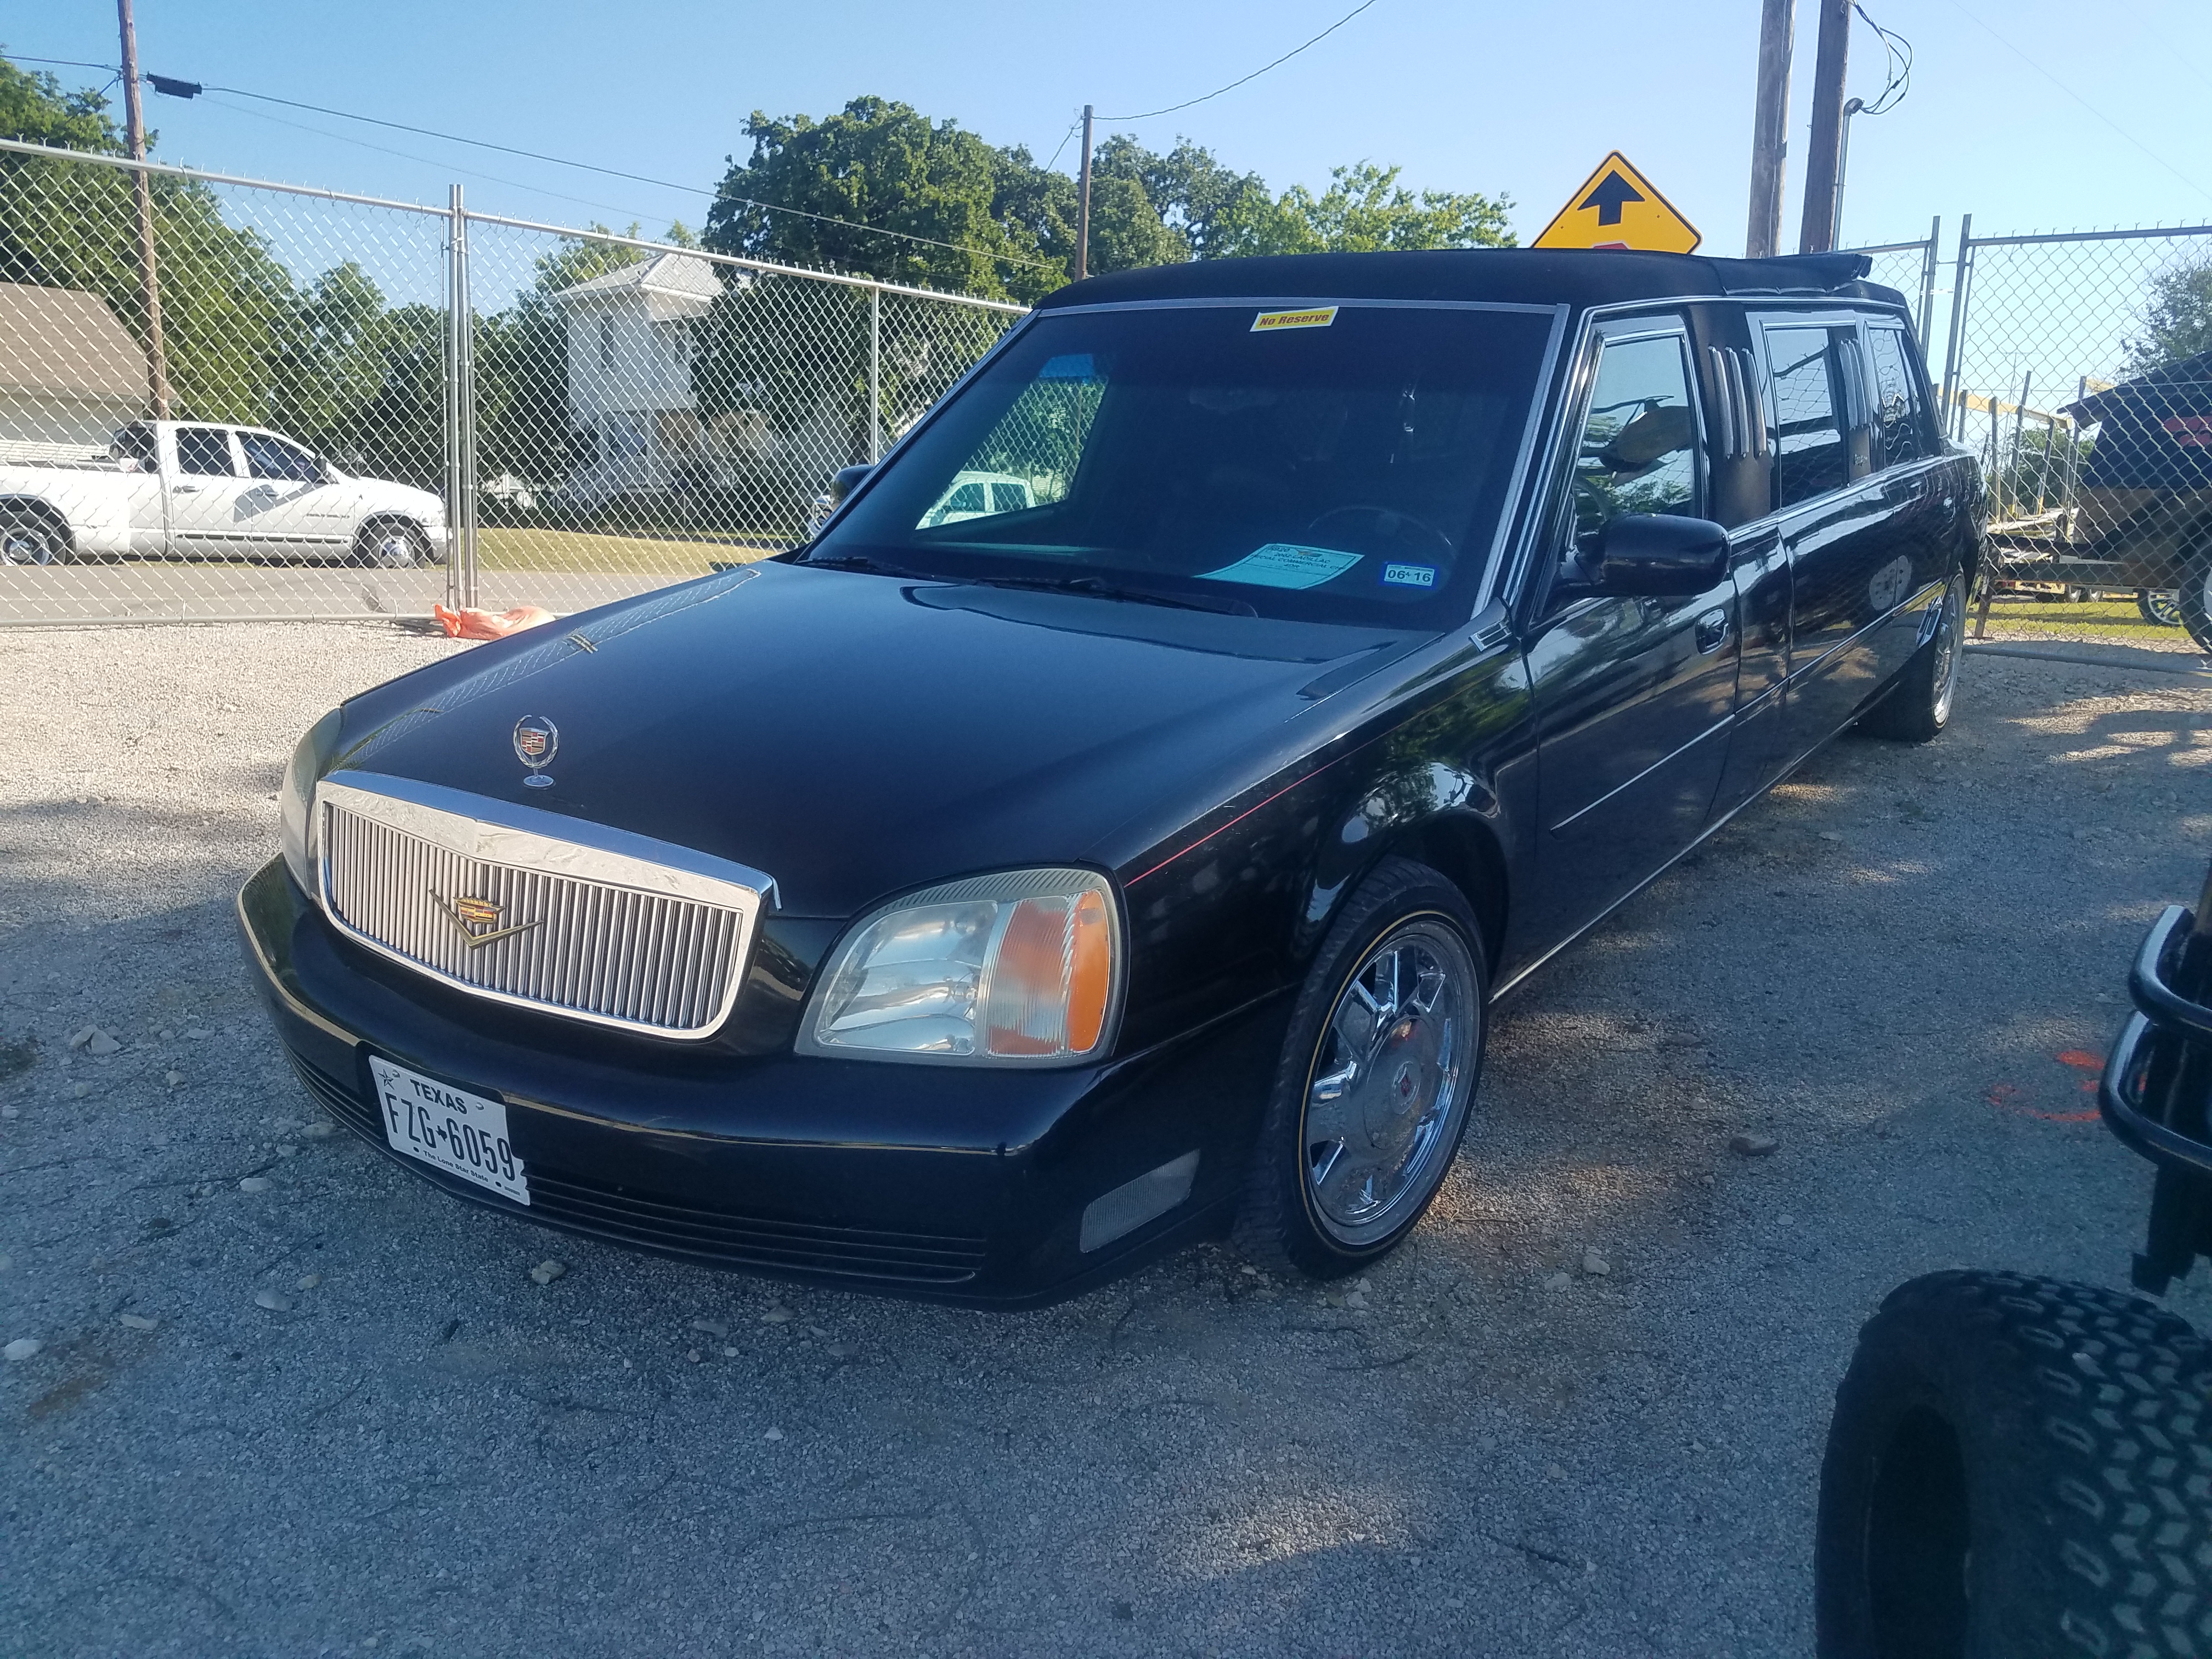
column 1268, row 321
column 1410, row 575
column 1284, row 564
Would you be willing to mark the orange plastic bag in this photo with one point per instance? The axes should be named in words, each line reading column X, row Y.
column 470, row 623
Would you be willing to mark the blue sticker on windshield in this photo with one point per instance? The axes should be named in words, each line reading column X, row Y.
column 1073, row 366
column 1410, row 575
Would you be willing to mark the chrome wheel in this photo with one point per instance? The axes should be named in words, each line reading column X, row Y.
column 391, row 547
column 27, row 542
column 2160, row 607
column 1950, row 634
column 1390, row 1082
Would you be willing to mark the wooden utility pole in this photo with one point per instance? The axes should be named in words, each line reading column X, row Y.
column 1769, row 128
column 1824, row 157
column 150, row 281
column 1082, row 212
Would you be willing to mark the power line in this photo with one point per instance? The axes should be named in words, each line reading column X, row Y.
column 535, row 156
column 1899, row 65
column 1254, row 76
column 2084, row 102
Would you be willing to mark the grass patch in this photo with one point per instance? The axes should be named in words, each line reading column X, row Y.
column 2117, row 621
column 586, row 553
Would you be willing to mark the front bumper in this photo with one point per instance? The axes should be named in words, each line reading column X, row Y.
column 952, row 1183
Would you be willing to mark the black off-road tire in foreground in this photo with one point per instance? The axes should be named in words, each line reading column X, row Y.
column 2017, row 1467
column 1277, row 1226
column 1917, row 708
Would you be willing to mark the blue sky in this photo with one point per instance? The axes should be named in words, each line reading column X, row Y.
column 1520, row 100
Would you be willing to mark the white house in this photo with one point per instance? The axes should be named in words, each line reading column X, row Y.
column 69, row 372
column 631, row 337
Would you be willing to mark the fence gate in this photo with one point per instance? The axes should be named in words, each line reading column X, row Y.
column 2079, row 366
column 339, row 406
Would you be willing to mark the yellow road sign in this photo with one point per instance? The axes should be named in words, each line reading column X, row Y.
column 1619, row 207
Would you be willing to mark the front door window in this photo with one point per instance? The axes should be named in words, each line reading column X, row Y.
column 1639, row 443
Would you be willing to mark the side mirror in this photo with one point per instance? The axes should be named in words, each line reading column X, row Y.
column 846, row 480
column 1657, row 555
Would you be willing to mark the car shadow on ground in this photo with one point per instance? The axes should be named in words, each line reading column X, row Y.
column 1580, row 1412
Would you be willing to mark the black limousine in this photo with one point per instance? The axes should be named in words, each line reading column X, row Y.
column 1114, row 826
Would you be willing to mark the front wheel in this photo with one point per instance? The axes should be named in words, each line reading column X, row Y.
column 1378, row 1074
column 393, row 546
column 2015, row 1469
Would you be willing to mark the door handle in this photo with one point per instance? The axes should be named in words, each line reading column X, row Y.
column 184, row 490
column 1712, row 632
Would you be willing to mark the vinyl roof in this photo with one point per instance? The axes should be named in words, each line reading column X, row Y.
column 1542, row 276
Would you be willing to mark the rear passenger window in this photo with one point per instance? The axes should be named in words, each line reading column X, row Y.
column 1639, row 444
column 1901, row 413
column 204, row 451
column 1805, row 368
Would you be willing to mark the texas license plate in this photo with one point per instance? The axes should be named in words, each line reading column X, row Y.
column 448, row 1128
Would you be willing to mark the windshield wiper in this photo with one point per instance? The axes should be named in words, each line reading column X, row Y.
column 1095, row 588
column 862, row 562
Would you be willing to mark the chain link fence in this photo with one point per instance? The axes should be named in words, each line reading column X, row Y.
column 2080, row 367
column 324, row 405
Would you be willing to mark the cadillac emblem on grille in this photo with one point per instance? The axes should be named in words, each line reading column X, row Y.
column 470, row 914
column 536, row 739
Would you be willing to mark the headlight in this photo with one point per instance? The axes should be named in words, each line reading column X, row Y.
column 1018, row 969
column 295, row 801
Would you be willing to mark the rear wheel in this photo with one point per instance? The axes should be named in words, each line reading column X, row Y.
column 1918, row 707
column 28, row 537
column 2014, row 1469
column 1379, row 1068
column 2159, row 606
column 2193, row 597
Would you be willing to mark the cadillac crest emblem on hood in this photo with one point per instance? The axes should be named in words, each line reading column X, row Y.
column 536, row 739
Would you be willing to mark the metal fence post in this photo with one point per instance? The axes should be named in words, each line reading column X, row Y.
column 875, row 375
column 1927, row 285
column 460, row 418
column 1953, row 417
column 456, row 303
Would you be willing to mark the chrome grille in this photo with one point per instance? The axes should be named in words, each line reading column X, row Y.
column 590, row 936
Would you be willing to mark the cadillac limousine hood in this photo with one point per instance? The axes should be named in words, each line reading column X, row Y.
column 854, row 735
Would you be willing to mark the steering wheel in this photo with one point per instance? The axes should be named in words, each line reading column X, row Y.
column 1390, row 531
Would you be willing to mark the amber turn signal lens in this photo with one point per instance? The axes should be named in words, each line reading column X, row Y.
column 1089, row 972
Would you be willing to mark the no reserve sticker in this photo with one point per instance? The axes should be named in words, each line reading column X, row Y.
column 1268, row 321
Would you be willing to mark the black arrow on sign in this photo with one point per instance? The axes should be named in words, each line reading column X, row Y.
column 1612, row 192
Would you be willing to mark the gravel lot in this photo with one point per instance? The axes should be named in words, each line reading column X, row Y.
column 1580, row 1413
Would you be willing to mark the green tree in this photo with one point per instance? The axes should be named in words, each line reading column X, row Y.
column 2177, row 321
column 879, row 167
column 1364, row 210
column 1188, row 188
column 36, row 110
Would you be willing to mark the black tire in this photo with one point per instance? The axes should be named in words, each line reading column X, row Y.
column 32, row 537
column 380, row 545
column 2193, row 597
column 2016, row 1468
column 2160, row 607
column 1917, row 708
column 1285, row 1222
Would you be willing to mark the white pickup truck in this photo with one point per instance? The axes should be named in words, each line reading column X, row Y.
column 194, row 489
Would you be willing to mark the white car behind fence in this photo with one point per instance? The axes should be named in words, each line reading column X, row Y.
column 195, row 489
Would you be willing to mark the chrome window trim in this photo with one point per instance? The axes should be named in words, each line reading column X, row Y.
column 1668, row 316
column 549, row 843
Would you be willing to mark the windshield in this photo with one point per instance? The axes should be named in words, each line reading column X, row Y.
column 1338, row 464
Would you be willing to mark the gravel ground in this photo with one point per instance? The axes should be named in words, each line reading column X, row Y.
column 1580, row 1412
